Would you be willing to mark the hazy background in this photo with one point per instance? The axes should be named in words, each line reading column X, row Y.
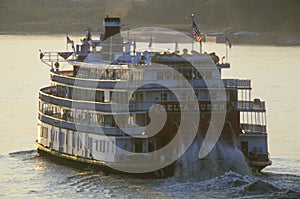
column 279, row 17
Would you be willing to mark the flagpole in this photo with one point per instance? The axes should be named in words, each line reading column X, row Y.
column 110, row 49
column 67, row 43
column 134, row 46
column 226, row 51
column 200, row 47
column 192, row 32
column 150, row 43
column 227, row 44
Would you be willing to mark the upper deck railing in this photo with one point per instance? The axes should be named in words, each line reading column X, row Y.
column 47, row 95
column 254, row 128
column 250, row 106
column 50, row 58
column 107, row 83
column 237, row 83
column 88, row 127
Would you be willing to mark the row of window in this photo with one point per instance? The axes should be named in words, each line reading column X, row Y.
column 91, row 117
column 122, row 97
column 77, row 140
column 104, row 146
column 187, row 74
column 256, row 118
column 123, row 74
column 110, row 74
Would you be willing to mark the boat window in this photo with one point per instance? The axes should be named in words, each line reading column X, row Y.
column 196, row 94
column 98, row 48
column 140, row 119
column 73, row 139
column 137, row 97
column 159, row 75
column 164, row 96
column 79, row 142
column 52, row 135
column 122, row 120
column 213, row 95
column 103, row 146
column 112, row 146
column 67, row 137
column 91, row 48
column 138, row 146
column 108, row 120
column 61, row 138
column 176, row 75
column 90, row 143
column 97, row 146
column 107, row 147
column 99, row 96
column 187, row 74
column 44, row 132
column 208, row 75
column 183, row 96
column 119, row 74
column 150, row 147
column 244, row 147
column 172, row 96
column 203, row 95
column 100, row 145
column 199, row 75
column 55, row 139
column 131, row 119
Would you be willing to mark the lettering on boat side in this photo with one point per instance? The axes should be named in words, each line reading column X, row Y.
column 187, row 105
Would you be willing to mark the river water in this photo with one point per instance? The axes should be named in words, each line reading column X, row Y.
column 275, row 75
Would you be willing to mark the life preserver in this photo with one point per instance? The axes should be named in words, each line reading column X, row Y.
column 168, row 74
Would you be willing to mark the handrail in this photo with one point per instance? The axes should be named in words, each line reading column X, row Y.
column 89, row 127
column 250, row 106
column 237, row 83
column 254, row 128
column 49, row 58
column 68, row 80
column 111, row 83
column 45, row 94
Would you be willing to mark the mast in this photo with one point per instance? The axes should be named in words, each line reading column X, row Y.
column 192, row 35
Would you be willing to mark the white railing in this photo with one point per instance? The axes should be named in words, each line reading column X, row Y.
column 49, row 58
column 254, row 128
column 250, row 106
column 237, row 83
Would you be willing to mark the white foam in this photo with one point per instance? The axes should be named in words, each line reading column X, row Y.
column 221, row 159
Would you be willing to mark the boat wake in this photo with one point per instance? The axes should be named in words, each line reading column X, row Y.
column 67, row 182
column 231, row 185
column 22, row 153
column 223, row 158
column 224, row 173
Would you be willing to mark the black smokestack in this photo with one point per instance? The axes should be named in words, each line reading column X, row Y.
column 112, row 26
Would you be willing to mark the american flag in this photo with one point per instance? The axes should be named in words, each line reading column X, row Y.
column 196, row 32
column 69, row 41
column 90, row 42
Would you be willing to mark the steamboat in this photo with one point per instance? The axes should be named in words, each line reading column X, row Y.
column 142, row 112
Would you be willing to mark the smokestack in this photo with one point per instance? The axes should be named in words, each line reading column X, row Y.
column 112, row 26
column 112, row 41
